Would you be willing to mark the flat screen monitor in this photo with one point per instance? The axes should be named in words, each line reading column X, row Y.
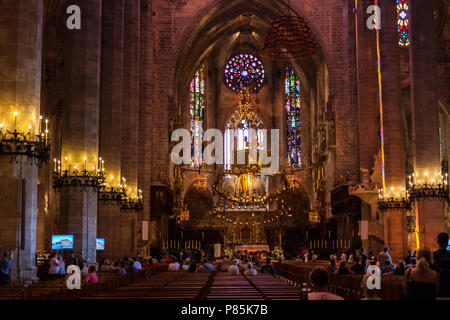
column 60, row 242
column 448, row 246
column 100, row 244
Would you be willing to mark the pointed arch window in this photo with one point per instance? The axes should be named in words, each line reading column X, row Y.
column 197, row 111
column 293, row 117
column 403, row 23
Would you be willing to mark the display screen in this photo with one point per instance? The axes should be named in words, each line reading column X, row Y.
column 100, row 244
column 62, row 242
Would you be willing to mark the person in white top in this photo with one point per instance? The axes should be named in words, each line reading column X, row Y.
column 137, row 265
column 250, row 271
column 174, row 266
column 233, row 270
column 186, row 264
column 53, row 272
column 350, row 258
column 343, row 257
column 306, row 256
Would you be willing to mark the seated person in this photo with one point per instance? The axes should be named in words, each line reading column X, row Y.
column 233, row 269
column 400, row 270
column 269, row 268
column 358, row 268
column 333, row 267
column 206, row 266
column 92, row 275
column 319, row 284
column 186, row 264
column 174, row 266
column 343, row 269
column 250, row 271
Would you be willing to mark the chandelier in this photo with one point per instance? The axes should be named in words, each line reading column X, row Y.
column 289, row 37
column 394, row 199
column 16, row 143
column 427, row 185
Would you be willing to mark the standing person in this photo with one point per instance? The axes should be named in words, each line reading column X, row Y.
column 441, row 264
column 53, row 272
column 62, row 266
column 421, row 283
column 364, row 258
column 319, row 278
column 233, row 269
column 5, row 266
column 384, row 257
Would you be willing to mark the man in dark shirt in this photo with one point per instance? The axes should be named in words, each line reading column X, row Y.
column 441, row 263
column 268, row 268
column 358, row 268
column 364, row 259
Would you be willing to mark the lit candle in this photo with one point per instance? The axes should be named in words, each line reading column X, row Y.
column 40, row 122
column 29, row 130
column 67, row 167
column 54, row 160
column 85, row 163
column 15, row 120
column 1, row 128
column 46, row 136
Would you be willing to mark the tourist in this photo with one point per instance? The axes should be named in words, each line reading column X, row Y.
column 421, row 283
column 233, row 269
column 400, row 270
column 186, row 264
column 372, row 258
column 333, row 257
column 137, row 265
column 441, row 264
column 410, row 259
column 269, row 268
column 92, row 277
column 258, row 259
column 53, row 272
column 206, row 266
column 343, row 257
column 364, row 258
column 369, row 294
column 319, row 284
column 5, row 266
column 358, row 268
column 250, row 271
column 350, row 258
column 333, row 267
column 73, row 260
column 306, row 256
column 104, row 266
column 384, row 257
column 343, row 269
column 62, row 267
column 314, row 257
column 192, row 267
column 174, row 266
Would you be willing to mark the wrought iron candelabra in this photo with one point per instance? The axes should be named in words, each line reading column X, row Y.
column 17, row 143
column 85, row 179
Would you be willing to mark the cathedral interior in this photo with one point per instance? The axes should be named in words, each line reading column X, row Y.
column 357, row 119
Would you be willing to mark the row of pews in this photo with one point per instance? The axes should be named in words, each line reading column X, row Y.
column 57, row 289
column 259, row 287
column 347, row 286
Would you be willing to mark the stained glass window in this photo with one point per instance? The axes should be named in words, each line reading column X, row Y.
column 403, row 23
column 244, row 70
column 293, row 117
column 197, row 111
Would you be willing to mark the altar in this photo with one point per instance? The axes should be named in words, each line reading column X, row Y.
column 253, row 247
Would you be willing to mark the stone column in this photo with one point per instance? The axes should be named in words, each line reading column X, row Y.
column 111, row 90
column 368, row 106
column 425, row 117
column 80, row 131
column 21, row 25
column 130, row 106
column 395, row 231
